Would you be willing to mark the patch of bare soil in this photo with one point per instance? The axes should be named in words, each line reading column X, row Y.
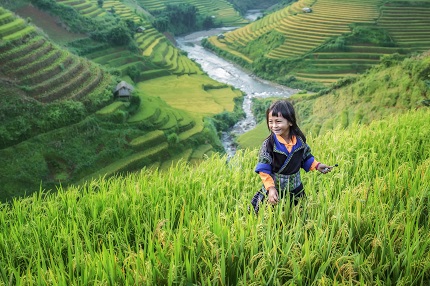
column 52, row 26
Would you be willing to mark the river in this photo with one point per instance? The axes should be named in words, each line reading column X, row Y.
column 227, row 72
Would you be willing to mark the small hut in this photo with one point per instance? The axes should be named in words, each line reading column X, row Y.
column 307, row 10
column 140, row 29
column 123, row 90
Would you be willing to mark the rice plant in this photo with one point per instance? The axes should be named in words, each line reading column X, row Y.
column 366, row 223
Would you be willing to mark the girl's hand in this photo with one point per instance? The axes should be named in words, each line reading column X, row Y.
column 273, row 196
column 323, row 168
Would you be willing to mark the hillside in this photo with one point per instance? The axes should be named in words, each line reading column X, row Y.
column 137, row 191
column 43, row 86
column 63, row 126
column 366, row 223
column 221, row 11
column 393, row 87
column 62, row 123
column 337, row 39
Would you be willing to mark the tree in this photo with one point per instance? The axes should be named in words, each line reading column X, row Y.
column 208, row 22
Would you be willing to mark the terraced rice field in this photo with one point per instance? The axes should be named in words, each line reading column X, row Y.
column 151, row 148
column 43, row 70
column 87, row 8
column 409, row 26
column 13, row 28
column 122, row 10
column 46, row 72
column 154, row 46
column 306, row 31
column 118, row 58
column 406, row 22
column 186, row 93
column 221, row 10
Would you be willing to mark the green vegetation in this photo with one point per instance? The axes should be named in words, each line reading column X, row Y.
column 181, row 19
column 192, row 93
column 258, row 47
column 219, row 12
column 105, row 143
column 183, row 218
column 62, row 126
column 365, row 223
column 244, row 5
column 51, row 88
column 320, row 48
column 394, row 86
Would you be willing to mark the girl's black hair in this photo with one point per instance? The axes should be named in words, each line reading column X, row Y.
column 286, row 109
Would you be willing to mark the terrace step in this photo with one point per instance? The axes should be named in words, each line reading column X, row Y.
column 149, row 139
column 196, row 129
column 30, row 56
column 39, row 63
column 66, row 89
column 91, row 86
column 27, row 31
column 50, row 71
column 11, row 51
column 149, row 50
column 11, row 27
column 6, row 18
column 132, row 162
column 342, row 61
column 58, row 79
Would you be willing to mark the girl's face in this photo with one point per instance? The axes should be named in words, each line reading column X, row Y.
column 279, row 125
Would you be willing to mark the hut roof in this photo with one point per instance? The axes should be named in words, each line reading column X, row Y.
column 124, row 84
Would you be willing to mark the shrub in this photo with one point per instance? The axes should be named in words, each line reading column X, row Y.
column 134, row 104
column 172, row 138
column 390, row 60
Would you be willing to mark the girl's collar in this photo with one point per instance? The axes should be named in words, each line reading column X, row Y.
column 279, row 147
column 293, row 140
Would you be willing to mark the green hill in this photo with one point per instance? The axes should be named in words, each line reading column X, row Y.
column 395, row 86
column 337, row 39
column 43, row 86
column 365, row 223
column 136, row 193
column 61, row 122
column 221, row 11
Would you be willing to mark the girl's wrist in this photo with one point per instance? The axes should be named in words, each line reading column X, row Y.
column 318, row 164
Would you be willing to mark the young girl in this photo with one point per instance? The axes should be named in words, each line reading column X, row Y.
column 282, row 155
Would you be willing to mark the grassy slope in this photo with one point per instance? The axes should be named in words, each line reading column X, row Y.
column 364, row 223
column 320, row 48
column 382, row 91
column 186, row 93
column 221, row 11
column 61, row 156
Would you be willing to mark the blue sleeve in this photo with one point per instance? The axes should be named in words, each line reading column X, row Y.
column 308, row 158
column 308, row 163
column 264, row 163
column 265, row 168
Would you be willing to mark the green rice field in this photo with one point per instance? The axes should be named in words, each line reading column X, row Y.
column 188, row 92
column 365, row 223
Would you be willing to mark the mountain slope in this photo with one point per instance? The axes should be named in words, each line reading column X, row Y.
column 337, row 39
column 61, row 123
column 366, row 221
column 43, row 86
column 393, row 87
